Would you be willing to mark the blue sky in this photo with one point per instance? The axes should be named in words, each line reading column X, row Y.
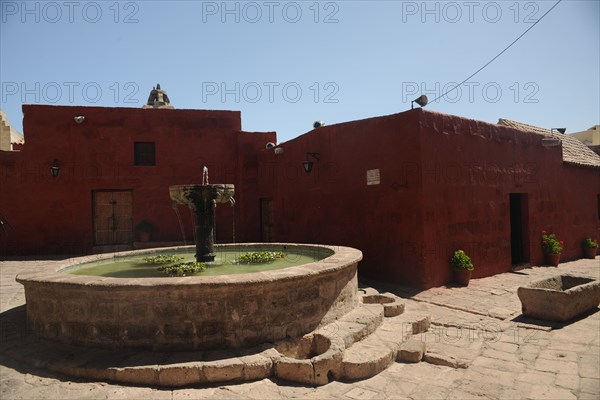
column 286, row 64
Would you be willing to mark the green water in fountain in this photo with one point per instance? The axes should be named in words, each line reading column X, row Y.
column 135, row 267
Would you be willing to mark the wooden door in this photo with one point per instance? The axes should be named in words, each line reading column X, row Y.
column 113, row 220
column 266, row 220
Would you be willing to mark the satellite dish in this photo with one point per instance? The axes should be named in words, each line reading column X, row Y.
column 79, row 119
column 318, row 124
column 270, row 145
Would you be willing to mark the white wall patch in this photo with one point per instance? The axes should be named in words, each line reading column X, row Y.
column 373, row 177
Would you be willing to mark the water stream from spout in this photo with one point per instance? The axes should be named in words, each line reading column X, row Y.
column 214, row 210
column 193, row 222
column 205, row 175
column 233, row 222
column 176, row 209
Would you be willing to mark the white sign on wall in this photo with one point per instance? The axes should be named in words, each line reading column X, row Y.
column 373, row 177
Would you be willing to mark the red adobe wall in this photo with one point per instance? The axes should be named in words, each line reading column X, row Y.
column 334, row 205
column 470, row 168
column 251, row 147
column 578, row 212
column 54, row 215
column 445, row 185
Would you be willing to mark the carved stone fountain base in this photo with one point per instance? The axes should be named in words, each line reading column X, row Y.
column 202, row 200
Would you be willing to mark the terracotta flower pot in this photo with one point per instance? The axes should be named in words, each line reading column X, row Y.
column 553, row 259
column 462, row 276
column 590, row 252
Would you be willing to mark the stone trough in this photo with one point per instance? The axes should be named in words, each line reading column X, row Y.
column 559, row 298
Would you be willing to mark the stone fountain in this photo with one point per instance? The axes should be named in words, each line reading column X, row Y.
column 202, row 200
column 307, row 323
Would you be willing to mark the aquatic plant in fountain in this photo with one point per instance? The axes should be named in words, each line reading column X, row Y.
column 162, row 259
column 183, row 269
column 170, row 265
column 259, row 257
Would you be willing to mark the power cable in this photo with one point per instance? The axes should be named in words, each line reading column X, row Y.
column 499, row 54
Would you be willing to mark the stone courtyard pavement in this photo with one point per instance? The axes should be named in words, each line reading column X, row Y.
column 478, row 346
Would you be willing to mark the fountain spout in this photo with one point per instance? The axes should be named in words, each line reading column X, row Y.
column 205, row 175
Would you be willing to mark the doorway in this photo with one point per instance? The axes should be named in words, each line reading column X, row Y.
column 266, row 220
column 519, row 239
column 112, row 214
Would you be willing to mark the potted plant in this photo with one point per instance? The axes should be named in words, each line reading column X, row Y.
column 590, row 247
column 552, row 247
column 144, row 230
column 462, row 267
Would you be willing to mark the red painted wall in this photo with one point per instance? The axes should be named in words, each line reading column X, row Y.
column 469, row 170
column 54, row 215
column 334, row 205
column 445, row 185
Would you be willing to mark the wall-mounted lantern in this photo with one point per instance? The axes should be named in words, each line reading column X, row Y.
column 55, row 168
column 308, row 165
column 421, row 100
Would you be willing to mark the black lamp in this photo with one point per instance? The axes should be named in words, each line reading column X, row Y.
column 55, row 168
column 308, row 165
column 421, row 100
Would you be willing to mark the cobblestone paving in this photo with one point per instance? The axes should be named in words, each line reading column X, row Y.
column 478, row 347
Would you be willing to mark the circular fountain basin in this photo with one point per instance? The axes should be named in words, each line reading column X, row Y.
column 195, row 312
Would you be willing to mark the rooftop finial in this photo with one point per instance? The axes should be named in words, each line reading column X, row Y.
column 158, row 98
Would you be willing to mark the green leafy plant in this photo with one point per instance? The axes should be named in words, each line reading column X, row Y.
column 183, row 269
column 550, row 244
column 162, row 259
column 460, row 260
column 144, row 226
column 589, row 243
column 259, row 257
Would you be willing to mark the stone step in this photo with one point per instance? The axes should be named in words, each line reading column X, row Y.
column 355, row 330
column 147, row 370
column 413, row 322
column 366, row 359
column 376, row 352
column 392, row 304
column 355, row 325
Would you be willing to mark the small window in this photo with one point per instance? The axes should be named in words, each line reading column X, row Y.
column 143, row 153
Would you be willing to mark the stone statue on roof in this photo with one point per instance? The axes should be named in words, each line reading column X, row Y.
column 158, row 98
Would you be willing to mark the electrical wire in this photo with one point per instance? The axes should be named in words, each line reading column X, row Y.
column 499, row 54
